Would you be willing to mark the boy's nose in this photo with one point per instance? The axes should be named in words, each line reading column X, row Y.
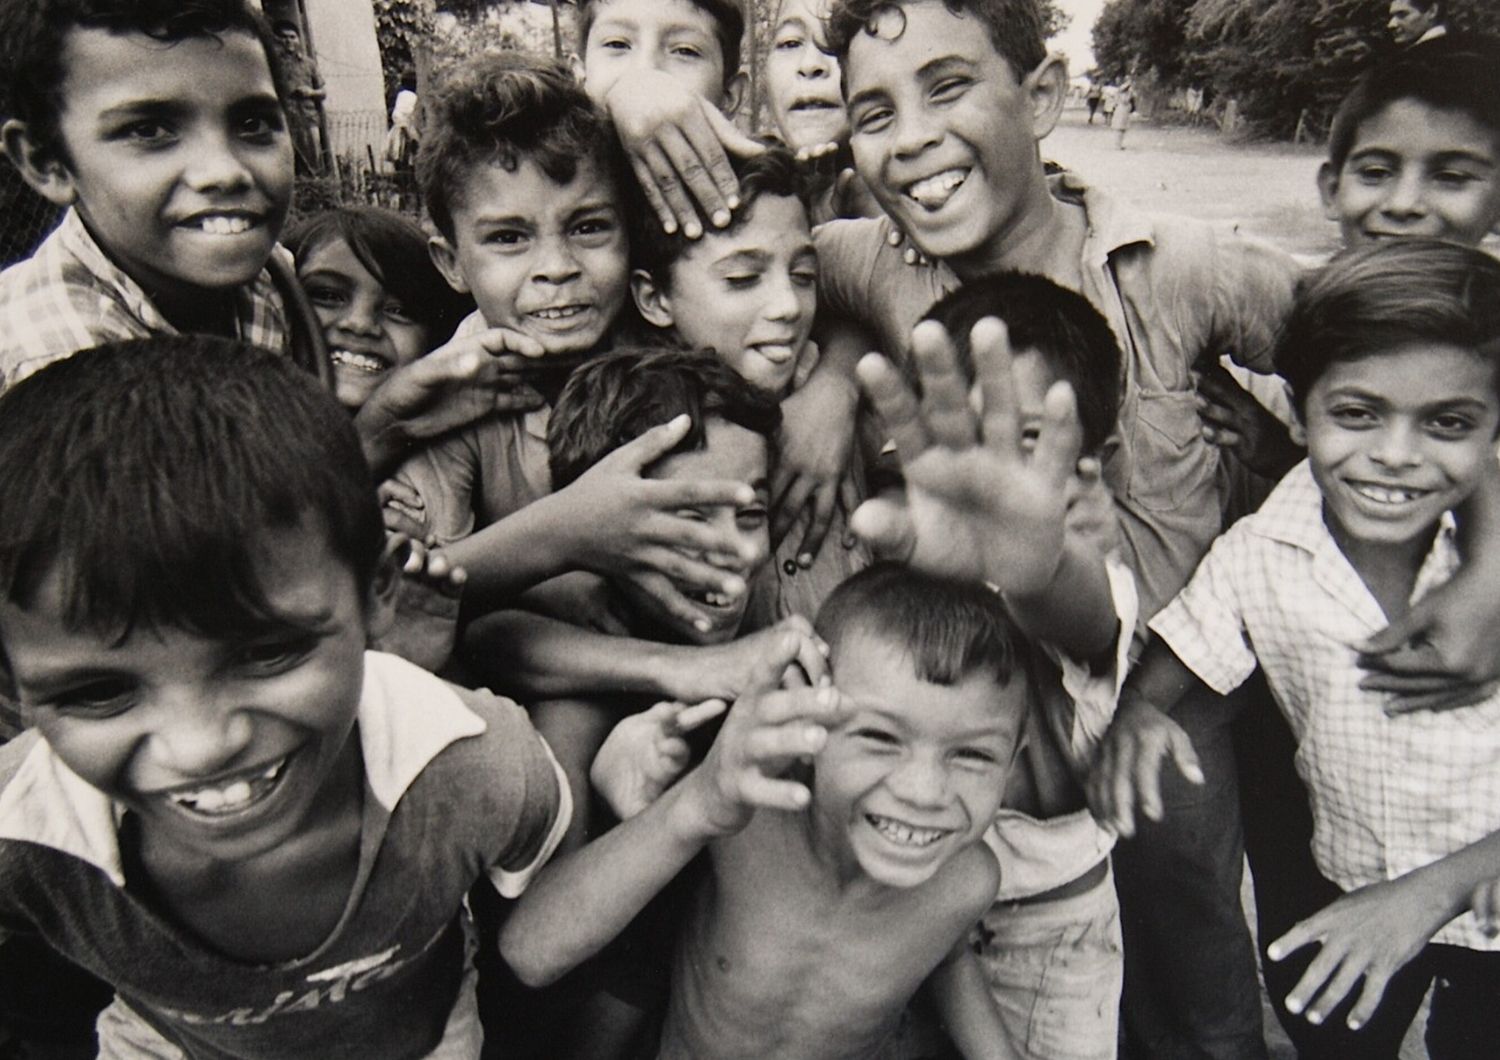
column 1405, row 198
column 555, row 262
column 783, row 303
column 812, row 63
column 216, row 166
column 199, row 739
column 1396, row 447
column 913, row 135
column 360, row 319
column 920, row 782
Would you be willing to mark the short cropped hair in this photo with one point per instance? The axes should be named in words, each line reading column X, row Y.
column 1378, row 298
column 1062, row 326
column 499, row 108
column 392, row 249
column 773, row 172
column 33, row 34
column 1014, row 26
column 729, row 27
column 1454, row 79
column 139, row 473
column 613, row 399
column 948, row 629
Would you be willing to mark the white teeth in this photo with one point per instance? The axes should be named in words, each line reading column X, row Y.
column 905, row 835
column 932, row 192
column 222, row 225
column 232, row 796
column 363, row 362
column 560, row 312
column 1386, row 494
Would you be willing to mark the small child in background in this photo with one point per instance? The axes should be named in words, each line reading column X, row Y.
column 748, row 292
column 1415, row 150
column 161, row 127
column 1392, row 353
column 260, row 833
column 1050, row 943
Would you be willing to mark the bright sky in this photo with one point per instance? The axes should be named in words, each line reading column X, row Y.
column 1075, row 40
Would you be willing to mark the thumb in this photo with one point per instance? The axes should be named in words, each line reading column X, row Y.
column 1186, row 758
column 508, row 340
column 641, row 452
column 734, row 141
column 765, row 675
column 1393, row 636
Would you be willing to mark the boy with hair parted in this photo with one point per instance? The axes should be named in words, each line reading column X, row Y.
column 521, row 177
column 831, row 902
column 1392, row 354
column 226, row 807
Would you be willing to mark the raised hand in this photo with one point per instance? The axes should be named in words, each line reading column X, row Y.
column 725, row 671
column 645, row 753
column 977, row 504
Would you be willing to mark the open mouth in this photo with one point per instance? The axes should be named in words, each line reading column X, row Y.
column 223, row 224
column 561, row 312
column 368, row 363
column 717, row 601
column 905, row 835
column 932, row 193
column 1389, row 496
column 814, row 106
column 232, row 796
column 775, row 352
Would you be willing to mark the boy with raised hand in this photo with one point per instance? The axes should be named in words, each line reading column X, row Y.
column 257, row 831
column 1392, row 353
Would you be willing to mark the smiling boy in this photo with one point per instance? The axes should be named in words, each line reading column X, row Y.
column 160, row 126
column 226, row 807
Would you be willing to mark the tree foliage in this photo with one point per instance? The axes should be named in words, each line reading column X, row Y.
column 1285, row 61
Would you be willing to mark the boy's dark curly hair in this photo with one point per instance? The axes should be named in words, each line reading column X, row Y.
column 1014, row 26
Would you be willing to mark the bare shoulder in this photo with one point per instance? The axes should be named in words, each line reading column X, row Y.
column 967, row 885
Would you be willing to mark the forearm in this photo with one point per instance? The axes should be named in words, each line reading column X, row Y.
column 1450, row 881
column 1479, row 523
column 581, row 901
column 522, row 550
column 967, row 1011
column 382, row 436
column 1075, row 611
column 534, row 657
column 1160, row 678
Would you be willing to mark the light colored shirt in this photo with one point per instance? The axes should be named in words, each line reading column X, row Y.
column 1175, row 292
column 69, row 296
column 1389, row 794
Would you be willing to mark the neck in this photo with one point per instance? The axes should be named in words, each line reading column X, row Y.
column 1388, row 569
column 1046, row 239
column 199, row 313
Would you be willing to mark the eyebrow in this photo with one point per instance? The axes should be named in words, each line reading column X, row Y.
column 1448, row 155
column 748, row 256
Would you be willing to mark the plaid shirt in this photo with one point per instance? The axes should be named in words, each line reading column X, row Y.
column 69, row 296
column 1389, row 794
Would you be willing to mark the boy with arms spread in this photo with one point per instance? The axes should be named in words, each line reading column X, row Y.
column 227, row 806
column 877, row 876
column 1392, row 354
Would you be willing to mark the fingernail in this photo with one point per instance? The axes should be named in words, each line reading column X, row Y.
column 805, row 560
column 721, row 218
column 1355, row 1024
column 1315, row 1018
column 1274, row 952
column 692, row 230
column 1293, row 1005
column 733, row 586
column 825, row 696
column 814, row 735
column 669, row 227
column 702, row 625
column 734, row 204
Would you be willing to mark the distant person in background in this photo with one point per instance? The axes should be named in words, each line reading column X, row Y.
column 1119, row 121
column 402, row 139
column 1415, row 22
column 1092, row 98
column 304, row 96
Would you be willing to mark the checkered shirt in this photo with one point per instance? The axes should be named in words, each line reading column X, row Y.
column 69, row 296
column 1389, row 794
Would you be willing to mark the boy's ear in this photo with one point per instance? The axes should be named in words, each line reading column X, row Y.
column 39, row 166
column 734, row 94
column 1047, row 86
column 651, row 299
column 575, row 64
column 1328, row 188
column 385, row 587
column 445, row 258
column 1297, row 429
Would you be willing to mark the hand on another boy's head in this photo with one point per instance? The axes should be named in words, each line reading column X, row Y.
column 629, row 524
column 725, row 671
column 977, row 504
column 678, row 144
column 766, row 731
column 645, row 754
column 457, row 383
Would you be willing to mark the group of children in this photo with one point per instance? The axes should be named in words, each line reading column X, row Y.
column 818, row 650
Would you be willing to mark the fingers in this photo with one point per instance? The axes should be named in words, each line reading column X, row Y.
column 849, row 502
column 690, row 718
column 508, row 340
column 786, row 510
column 668, row 494
column 812, row 653
column 1061, row 436
column 638, row 453
column 765, row 674
column 1397, row 635
column 770, row 794
column 645, row 179
column 824, row 499
column 1486, row 904
column 886, row 526
column 945, row 391
column 728, row 135
column 394, row 491
column 684, row 571
column 813, row 152
column 672, row 601
column 900, row 414
column 1450, row 698
column 989, row 343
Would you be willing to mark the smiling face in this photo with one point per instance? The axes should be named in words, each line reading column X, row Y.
column 917, row 771
column 177, row 157
column 802, row 78
column 544, row 258
column 223, row 749
column 1398, row 438
column 1416, row 170
column 369, row 331
column 734, row 453
column 674, row 37
column 944, row 132
column 748, row 292
column 1409, row 21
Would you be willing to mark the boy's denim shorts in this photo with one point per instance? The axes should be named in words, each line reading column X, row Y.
column 1055, row 969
